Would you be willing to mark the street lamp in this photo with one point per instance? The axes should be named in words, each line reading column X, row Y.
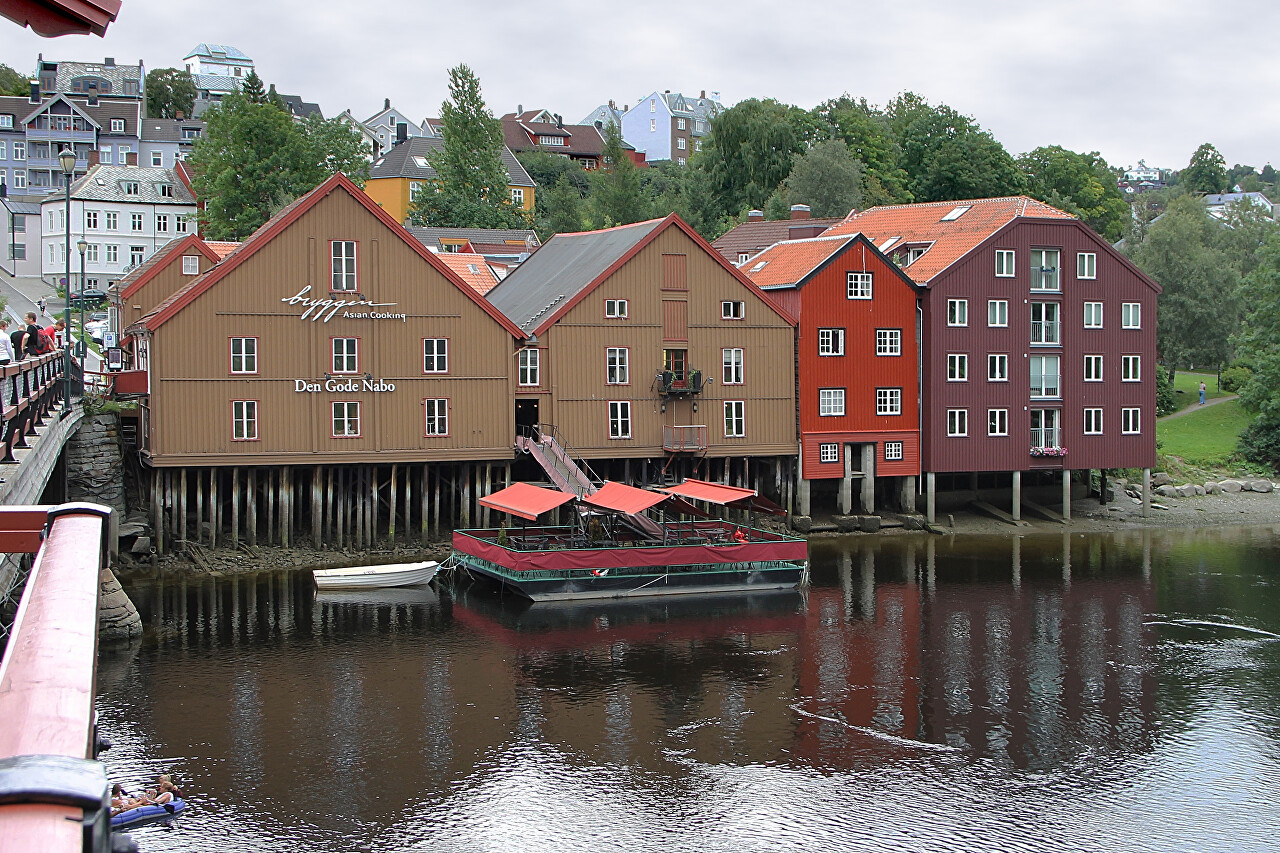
column 83, row 246
column 67, row 160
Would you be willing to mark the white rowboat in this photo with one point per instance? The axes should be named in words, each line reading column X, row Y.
column 369, row 577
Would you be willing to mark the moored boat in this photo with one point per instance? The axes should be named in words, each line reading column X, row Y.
column 148, row 812
column 371, row 577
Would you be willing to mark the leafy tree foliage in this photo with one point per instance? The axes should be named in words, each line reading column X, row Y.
column 1268, row 174
column 1257, row 346
column 13, row 83
column 1206, row 173
column 471, row 186
column 1082, row 184
column 867, row 132
column 170, row 91
column 616, row 198
column 1166, row 399
column 750, row 150
column 252, row 88
column 332, row 146
column 827, row 177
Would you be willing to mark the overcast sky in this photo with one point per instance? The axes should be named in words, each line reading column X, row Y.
column 1150, row 79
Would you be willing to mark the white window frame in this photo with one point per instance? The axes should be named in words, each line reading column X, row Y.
column 191, row 265
column 830, row 342
column 1042, row 281
column 731, row 366
column 247, row 355
column 91, row 220
column 1005, row 267
column 997, row 422
column 1131, row 315
column 1093, row 421
column 517, row 196
column 615, row 309
column 435, row 416
column 344, row 276
column 957, row 312
column 831, row 402
column 619, row 419
column 157, row 159
column 617, row 370
column 997, row 367
column 828, row 452
column 888, row 342
column 244, row 420
column 1130, row 368
column 997, row 313
column 1093, row 315
column 1092, row 368
column 136, row 222
column 1046, row 391
column 888, row 401
column 1131, row 421
column 957, row 423
column 1087, row 265
column 91, row 253
column 1047, row 308
column 859, row 284
column 113, row 253
column 732, row 310
column 893, row 451
column 111, row 220
column 529, row 369
column 957, row 367
column 435, row 355
column 349, row 417
column 735, row 419
column 117, row 125
column 344, row 355
column 162, row 223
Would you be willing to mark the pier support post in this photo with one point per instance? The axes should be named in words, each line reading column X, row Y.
column 802, row 497
column 907, row 494
column 1017, row 496
column 1066, row 495
column 391, row 519
column 930, row 495
column 235, row 506
column 869, row 478
column 251, row 507
column 215, row 508
column 317, row 506
column 1146, row 492
column 845, row 502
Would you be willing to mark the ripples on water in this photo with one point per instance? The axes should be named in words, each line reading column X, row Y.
column 1043, row 694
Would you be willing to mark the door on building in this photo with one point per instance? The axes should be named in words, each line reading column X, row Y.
column 526, row 414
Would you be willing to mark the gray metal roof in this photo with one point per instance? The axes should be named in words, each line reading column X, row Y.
column 168, row 129
column 402, row 161
column 561, row 269
column 430, row 237
column 208, row 50
column 113, row 74
column 217, row 82
column 31, row 208
column 104, row 183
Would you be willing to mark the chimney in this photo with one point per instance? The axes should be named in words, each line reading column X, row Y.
column 755, row 216
column 93, row 94
column 93, row 157
column 599, row 125
column 519, row 110
column 35, row 91
column 111, row 62
column 386, row 105
column 402, row 132
column 626, row 108
column 703, row 94
column 179, row 115
column 559, row 121
column 612, row 105
column 799, row 211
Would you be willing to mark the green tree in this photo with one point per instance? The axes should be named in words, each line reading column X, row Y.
column 1268, row 174
column 750, row 150
column 471, row 185
column 252, row 89
column 616, row 196
column 866, row 131
column 1249, row 226
column 332, row 146
column 1199, row 308
column 1206, row 173
column 1082, row 184
column 687, row 192
column 1256, row 344
column 946, row 155
column 170, row 91
column 559, row 208
column 827, row 177
column 13, row 83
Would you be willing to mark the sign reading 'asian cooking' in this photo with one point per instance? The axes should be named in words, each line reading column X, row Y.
column 326, row 309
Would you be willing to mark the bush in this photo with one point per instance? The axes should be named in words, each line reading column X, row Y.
column 1260, row 443
column 1235, row 378
column 1166, row 403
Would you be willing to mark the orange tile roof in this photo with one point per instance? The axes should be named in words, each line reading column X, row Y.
column 222, row 249
column 472, row 269
column 947, row 241
column 788, row 262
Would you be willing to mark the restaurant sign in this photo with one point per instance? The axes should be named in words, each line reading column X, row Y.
column 343, row 385
column 352, row 309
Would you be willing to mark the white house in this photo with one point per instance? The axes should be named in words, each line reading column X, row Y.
column 669, row 125
column 383, row 125
column 1220, row 204
column 124, row 213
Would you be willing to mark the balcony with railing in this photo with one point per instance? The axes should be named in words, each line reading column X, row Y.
column 677, row 383
column 1046, row 385
column 1046, row 438
column 1045, row 333
column 684, row 439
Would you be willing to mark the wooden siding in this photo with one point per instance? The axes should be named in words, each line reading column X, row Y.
column 974, row 279
column 575, row 363
column 675, row 320
column 163, row 283
column 907, row 466
column 192, row 387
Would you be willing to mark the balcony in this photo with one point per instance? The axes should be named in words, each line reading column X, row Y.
column 673, row 383
column 684, row 439
column 1047, row 385
column 1045, row 333
column 1046, row 448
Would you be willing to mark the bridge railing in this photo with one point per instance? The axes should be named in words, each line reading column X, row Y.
column 53, row 794
column 29, row 389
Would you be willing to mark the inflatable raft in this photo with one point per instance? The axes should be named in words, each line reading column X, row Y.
column 145, row 813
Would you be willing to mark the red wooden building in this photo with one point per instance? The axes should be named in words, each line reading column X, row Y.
column 1039, row 341
column 857, row 357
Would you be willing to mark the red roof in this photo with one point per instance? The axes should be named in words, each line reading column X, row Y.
column 716, row 493
column 472, row 269
column 621, row 498
column 791, row 261
column 946, row 232
column 222, row 248
column 525, row 500
column 148, row 270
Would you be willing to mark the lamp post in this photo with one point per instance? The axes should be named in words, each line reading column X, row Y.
column 83, row 246
column 67, row 160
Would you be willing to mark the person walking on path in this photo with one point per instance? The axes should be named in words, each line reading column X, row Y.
column 43, row 306
column 1202, row 390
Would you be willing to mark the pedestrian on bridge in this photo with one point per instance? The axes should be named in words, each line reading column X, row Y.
column 7, row 355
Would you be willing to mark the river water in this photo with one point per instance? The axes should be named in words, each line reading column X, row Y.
column 1115, row 692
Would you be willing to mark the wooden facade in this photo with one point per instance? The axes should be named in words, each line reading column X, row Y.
column 162, row 275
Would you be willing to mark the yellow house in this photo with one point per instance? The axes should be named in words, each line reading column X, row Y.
column 396, row 174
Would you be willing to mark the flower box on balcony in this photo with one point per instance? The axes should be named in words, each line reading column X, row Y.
column 1048, row 451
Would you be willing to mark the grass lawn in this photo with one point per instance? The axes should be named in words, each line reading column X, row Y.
column 1186, row 388
column 1204, row 439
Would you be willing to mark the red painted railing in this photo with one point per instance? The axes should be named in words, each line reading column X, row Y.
column 28, row 391
column 47, row 682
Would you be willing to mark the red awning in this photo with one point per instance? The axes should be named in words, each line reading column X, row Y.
column 51, row 18
column 716, row 493
column 627, row 499
column 525, row 500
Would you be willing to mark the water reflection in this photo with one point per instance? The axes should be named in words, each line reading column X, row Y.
column 1021, row 682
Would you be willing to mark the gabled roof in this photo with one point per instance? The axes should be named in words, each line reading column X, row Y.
column 102, row 183
column 951, row 232
column 299, row 107
column 751, row 237
column 273, row 227
column 114, row 74
column 560, row 274
column 472, row 269
column 409, row 160
column 432, row 237
column 210, row 51
column 168, row 129
column 793, row 262
column 79, row 109
column 521, row 133
column 151, row 267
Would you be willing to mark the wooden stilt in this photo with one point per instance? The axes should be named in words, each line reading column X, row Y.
column 391, row 521
column 371, row 535
column 423, row 496
column 251, row 506
column 286, row 515
column 215, row 508
column 235, row 506
column 466, row 495
column 337, row 503
column 317, row 505
column 272, row 487
column 200, row 505
column 435, row 507
column 182, row 503
column 488, row 490
column 157, row 512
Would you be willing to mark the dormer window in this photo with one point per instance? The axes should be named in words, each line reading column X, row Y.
column 166, row 190
column 117, row 125
column 129, row 187
column 551, row 140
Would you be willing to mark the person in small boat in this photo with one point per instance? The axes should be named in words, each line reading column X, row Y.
column 121, row 801
column 164, row 791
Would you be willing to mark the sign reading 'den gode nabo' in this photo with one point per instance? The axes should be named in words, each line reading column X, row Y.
column 344, row 385
column 326, row 309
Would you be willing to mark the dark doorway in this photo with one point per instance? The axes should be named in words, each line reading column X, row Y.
column 526, row 414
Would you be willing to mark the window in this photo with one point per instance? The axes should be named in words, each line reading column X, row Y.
column 829, row 452
column 731, row 361
column 18, row 252
column 1045, row 430
column 346, row 355
column 551, row 140
column 4, row 149
column 653, row 105
column 735, row 421
column 957, row 367
column 888, row 401
column 166, row 190
column 6, row 121
column 435, row 355
column 1044, row 376
column 344, row 264
column 112, row 220
column 1131, row 315
column 106, row 155
column 244, row 420
column 619, row 419
column 733, row 310
column 135, row 221
column 129, row 187
column 91, row 253
column 529, row 366
column 617, row 368
column 1093, row 368
column 830, row 401
column 681, row 143
column 653, row 125
column 997, row 367
column 157, row 158
column 957, row 422
column 888, row 342
column 180, row 224
column 19, row 178
column 1093, row 315
column 997, row 421
column 859, row 285
column 892, row 451
column 136, row 254
column 1086, row 265
column 957, row 312
column 517, row 196
column 19, row 150
column 1044, row 269
column 1093, row 421
column 346, row 419
column 437, row 416
column 113, row 253
column 162, row 223
column 680, row 125
column 191, row 265
column 997, row 312
column 743, row 257
column 831, row 342
column 1130, row 368
column 244, row 355
column 955, row 213
column 91, row 219
column 615, row 309
column 1004, row 263
column 1130, row 421
column 117, row 125
column 1044, row 324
